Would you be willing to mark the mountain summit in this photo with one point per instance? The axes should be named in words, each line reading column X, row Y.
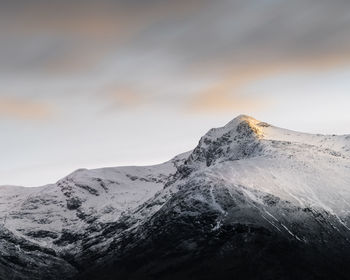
column 251, row 201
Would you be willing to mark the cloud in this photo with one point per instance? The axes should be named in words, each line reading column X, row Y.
column 229, row 94
column 22, row 109
column 117, row 97
column 126, row 97
column 224, row 102
column 66, row 37
column 170, row 42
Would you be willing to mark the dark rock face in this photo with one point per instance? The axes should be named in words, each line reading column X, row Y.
column 20, row 259
column 231, row 145
column 238, row 143
column 236, row 252
column 188, row 240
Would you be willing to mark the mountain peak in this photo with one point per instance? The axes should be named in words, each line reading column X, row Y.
column 237, row 139
column 244, row 117
column 244, row 124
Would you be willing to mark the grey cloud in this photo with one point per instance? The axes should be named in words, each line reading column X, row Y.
column 248, row 30
column 148, row 42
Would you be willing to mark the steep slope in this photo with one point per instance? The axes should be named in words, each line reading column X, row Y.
column 251, row 201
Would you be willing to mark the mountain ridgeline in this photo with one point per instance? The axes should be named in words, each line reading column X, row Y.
column 251, row 201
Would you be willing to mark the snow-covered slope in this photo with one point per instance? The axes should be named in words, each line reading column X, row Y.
column 45, row 215
column 249, row 195
column 305, row 169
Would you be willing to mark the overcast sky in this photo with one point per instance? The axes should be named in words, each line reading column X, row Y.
column 128, row 82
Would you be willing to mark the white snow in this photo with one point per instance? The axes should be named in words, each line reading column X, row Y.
column 307, row 170
column 105, row 194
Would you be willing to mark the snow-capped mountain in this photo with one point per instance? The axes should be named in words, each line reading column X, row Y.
column 251, row 201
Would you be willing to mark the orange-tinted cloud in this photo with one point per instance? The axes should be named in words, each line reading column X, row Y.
column 225, row 102
column 24, row 109
column 226, row 96
column 230, row 92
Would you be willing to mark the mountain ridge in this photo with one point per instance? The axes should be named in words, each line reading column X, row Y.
column 249, row 195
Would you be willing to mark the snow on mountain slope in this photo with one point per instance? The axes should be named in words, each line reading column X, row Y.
column 245, row 183
column 58, row 211
column 309, row 170
column 304, row 168
column 251, row 201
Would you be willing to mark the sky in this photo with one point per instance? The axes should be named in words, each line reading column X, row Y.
column 88, row 84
